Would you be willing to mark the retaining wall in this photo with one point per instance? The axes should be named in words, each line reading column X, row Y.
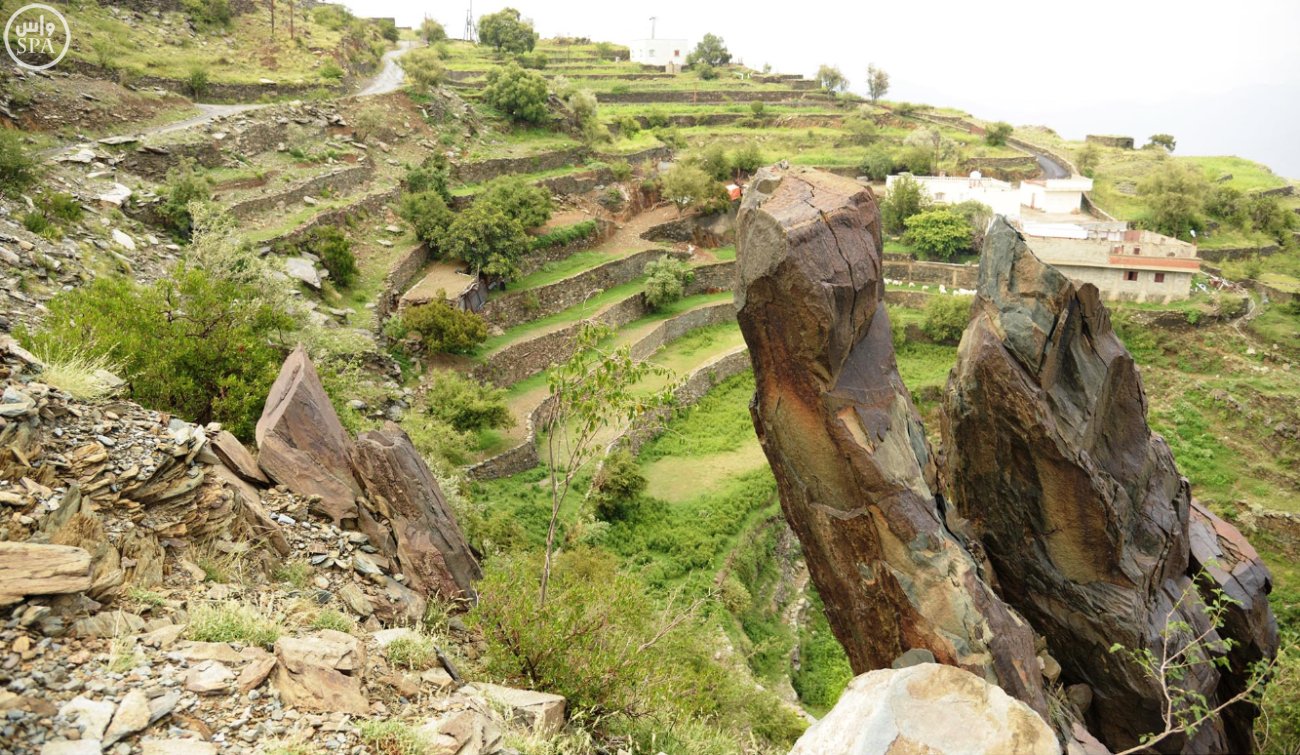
column 537, row 259
column 338, row 215
column 789, row 96
column 486, row 170
column 522, row 306
column 1219, row 255
column 933, row 273
column 520, row 458
column 401, row 276
column 650, row 425
column 339, row 180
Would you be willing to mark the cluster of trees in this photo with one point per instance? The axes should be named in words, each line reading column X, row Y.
column 1180, row 201
column 507, row 31
column 697, row 181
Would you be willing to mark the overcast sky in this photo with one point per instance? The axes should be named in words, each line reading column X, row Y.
column 1223, row 77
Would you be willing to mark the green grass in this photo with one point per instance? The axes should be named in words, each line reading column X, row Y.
column 413, row 652
column 393, row 738
column 335, row 620
column 229, row 621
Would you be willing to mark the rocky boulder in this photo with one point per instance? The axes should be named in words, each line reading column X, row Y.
column 928, row 708
column 301, row 443
column 1079, row 507
column 322, row 672
column 854, row 471
column 418, row 529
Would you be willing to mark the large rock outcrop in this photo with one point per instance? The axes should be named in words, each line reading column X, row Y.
column 379, row 483
column 854, row 471
column 1079, row 506
column 302, row 445
column 418, row 528
column 927, row 708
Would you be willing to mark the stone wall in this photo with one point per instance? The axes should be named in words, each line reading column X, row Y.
column 1219, row 255
column 708, row 231
column 342, row 180
column 520, row 458
column 1120, row 142
column 339, row 215
column 519, row 307
column 537, row 259
column 671, row 329
column 1003, row 168
column 400, row 277
column 933, row 273
column 650, row 425
column 153, row 161
column 215, row 92
column 789, row 96
column 653, row 154
column 1281, row 191
column 486, row 170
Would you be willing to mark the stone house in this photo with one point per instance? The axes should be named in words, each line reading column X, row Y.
column 1124, row 264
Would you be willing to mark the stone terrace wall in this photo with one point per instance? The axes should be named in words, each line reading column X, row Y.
column 537, row 259
column 1219, row 255
column 653, row 154
column 400, row 277
column 672, row 329
column 520, row 458
column 933, row 273
column 339, row 215
column 486, row 170
column 1122, row 142
column 788, row 96
column 522, row 306
column 342, row 180
column 153, row 162
column 650, row 425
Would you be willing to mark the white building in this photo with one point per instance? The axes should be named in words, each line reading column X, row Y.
column 659, row 52
column 1000, row 196
column 1057, row 196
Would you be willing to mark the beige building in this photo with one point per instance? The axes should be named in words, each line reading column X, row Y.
column 1130, row 265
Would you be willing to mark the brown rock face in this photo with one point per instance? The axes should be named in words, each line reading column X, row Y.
column 301, row 443
column 403, row 494
column 845, row 442
column 1079, row 506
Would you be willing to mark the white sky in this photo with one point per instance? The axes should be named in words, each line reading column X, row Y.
column 1223, row 77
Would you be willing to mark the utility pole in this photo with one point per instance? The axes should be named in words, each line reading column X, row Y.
column 652, row 26
column 469, row 23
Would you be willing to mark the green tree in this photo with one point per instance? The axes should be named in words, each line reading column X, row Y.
column 1162, row 140
column 689, row 186
column 1087, row 158
column 519, row 93
column 933, row 141
column 429, row 216
column 466, row 404
column 941, row 233
column 193, row 343
column 17, row 165
column 1174, row 194
column 583, row 105
column 617, row 486
column 387, row 29
column 184, row 186
column 442, row 327
column 997, row 133
column 506, row 31
column 862, row 129
column 713, row 161
column 747, row 158
column 877, row 162
column 877, row 82
column 432, row 175
column 432, row 31
column 488, row 239
column 666, row 281
column 1228, row 205
column 906, row 198
column 593, row 390
column 705, row 71
column 530, row 205
column 335, row 253
column 423, row 67
column 946, row 318
column 831, row 80
column 710, row 51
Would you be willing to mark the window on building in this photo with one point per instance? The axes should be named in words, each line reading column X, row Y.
column 1130, row 275
column 1160, row 277
column 1117, row 249
column 1137, row 250
column 677, row 53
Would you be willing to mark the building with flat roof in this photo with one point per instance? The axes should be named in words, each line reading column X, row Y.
column 1055, row 195
column 659, row 52
column 999, row 196
column 1129, row 265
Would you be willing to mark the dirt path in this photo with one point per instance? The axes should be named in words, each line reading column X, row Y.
column 390, row 77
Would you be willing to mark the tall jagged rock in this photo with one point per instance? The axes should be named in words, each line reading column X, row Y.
column 1079, row 506
column 302, row 445
column 846, row 445
column 420, row 529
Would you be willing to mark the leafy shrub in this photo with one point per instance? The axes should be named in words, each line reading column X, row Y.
column 568, row 234
column 335, row 620
column 705, row 71
column 193, row 344
column 424, row 67
column 518, row 93
column 534, row 60
column 432, row 31
column 335, row 253
column 184, row 185
column 612, row 199
column 196, row 82
column 387, row 28
column 17, row 165
column 411, row 652
column 617, row 487
column 628, row 126
column 38, row 223
column 1174, row 194
column 62, row 206
column 747, row 159
column 431, row 175
column 877, row 162
column 713, row 161
column 585, row 108
column 666, row 280
column 946, row 318
column 621, row 169
column 906, row 198
column 529, row 205
column 330, row 70
column 466, row 404
column 393, row 738
column 711, row 51
column 428, row 214
column 941, row 233
column 331, row 16
column 442, row 327
column 209, row 14
column 997, row 133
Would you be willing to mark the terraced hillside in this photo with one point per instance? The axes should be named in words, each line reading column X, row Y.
column 338, row 209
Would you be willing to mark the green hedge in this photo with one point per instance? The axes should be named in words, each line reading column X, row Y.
column 566, row 235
